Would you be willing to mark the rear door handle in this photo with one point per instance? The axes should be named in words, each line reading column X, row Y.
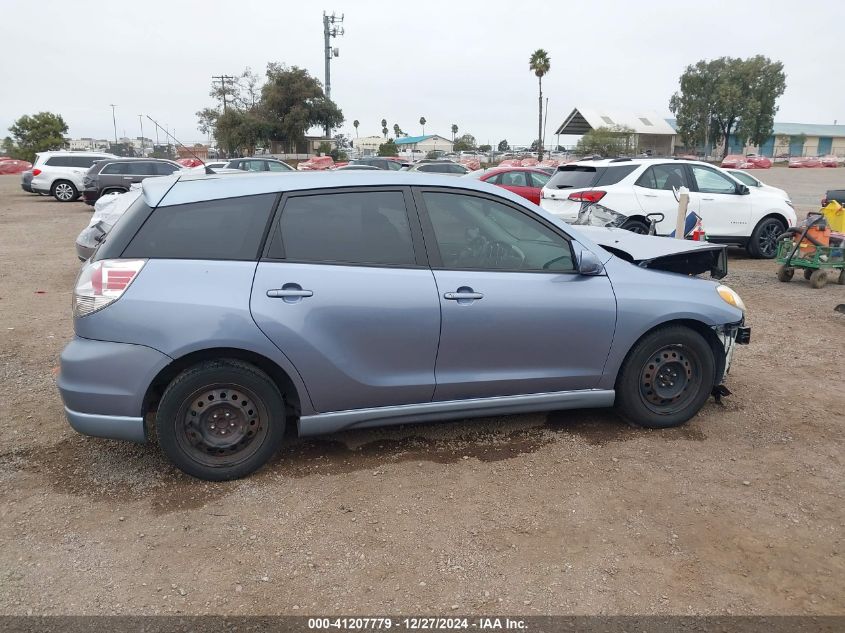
column 711, row 199
column 649, row 195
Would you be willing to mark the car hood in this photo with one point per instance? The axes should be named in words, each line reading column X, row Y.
column 661, row 253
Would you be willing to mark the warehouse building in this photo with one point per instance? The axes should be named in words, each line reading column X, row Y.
column 424, row 144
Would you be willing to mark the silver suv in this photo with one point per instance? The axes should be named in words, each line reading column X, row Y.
column 231, row 310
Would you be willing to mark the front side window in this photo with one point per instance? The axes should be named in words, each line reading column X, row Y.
column 480, row 234
column 229, row 229
column 393, row 165
column 274, row 166
column 114, row 168
column 350, row 228
column 711, row 181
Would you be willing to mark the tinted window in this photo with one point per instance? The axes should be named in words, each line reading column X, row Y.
column 612, row 175
column 214, row 229
column 274, row 166
column 84, row 161
column 114, row 168
column 495, row 180
column 711, row 181
column 59, row 161
column 514, row 179
column 254, row 165
column 353, row 228
column 393, row 165
column 538, row 180
column 164, row 169
column 478, row 233
column 664, row 177
column 573, row 177
column 140, row 168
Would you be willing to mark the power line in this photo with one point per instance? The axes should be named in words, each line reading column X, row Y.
column 222, row 79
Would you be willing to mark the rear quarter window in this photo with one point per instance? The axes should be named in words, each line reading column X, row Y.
column 59, row 161
column 230, row 229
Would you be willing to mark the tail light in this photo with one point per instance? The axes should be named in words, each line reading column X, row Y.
column 587, row 196
column 103, row 282
column 36, row 172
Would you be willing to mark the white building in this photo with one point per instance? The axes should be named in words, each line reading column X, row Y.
column 368, row 145
column 423, row 144
column 651, row 132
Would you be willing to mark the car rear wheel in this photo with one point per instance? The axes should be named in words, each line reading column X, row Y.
column 666, row 378
column 763, row 243
column 636, row 226
column 64, row 191
column 221, row 420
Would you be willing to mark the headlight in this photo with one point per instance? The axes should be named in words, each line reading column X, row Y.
column 730, row 296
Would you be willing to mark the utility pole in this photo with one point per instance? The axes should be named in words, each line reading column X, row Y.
column 222, row 79
column 330, row 31
column 141, row 121
column 114, row 122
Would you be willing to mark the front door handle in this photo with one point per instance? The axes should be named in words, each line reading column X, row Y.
column 711, row 199
column 649, row 195
column 290, row 293
column 463, row 295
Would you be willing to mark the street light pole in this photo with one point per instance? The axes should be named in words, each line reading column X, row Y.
column 114, row 122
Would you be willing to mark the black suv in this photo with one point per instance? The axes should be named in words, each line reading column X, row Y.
column 116, row 175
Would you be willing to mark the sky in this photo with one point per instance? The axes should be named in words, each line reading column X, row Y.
column 452, row 62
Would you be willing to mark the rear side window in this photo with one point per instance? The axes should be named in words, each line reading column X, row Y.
column 59, row 161
column 84, row 161
column 352, row 228
column 614, row 174
column 230, row 229
column 665, row 177
column 164, row 169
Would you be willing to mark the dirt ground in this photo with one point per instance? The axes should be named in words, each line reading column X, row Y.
column 738, row 512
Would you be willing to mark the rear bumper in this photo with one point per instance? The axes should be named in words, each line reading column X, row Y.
column 34, row 189
column 103, row 386
column 26, row 187
column 90, row 196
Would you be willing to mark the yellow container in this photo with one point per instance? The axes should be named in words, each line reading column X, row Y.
column 834, row 213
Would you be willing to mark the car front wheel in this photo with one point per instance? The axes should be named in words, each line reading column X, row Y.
column 666, row 378
column 763, row 243
column 221, row 420
column 64, row 191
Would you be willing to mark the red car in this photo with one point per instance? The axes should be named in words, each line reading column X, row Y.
column 523, row 181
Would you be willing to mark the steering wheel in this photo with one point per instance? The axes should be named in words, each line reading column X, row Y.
column 501, row 252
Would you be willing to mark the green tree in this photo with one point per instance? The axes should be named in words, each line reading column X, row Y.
column 454, row 131
column 388, row 148
column 422, row 122
column 355, row 124
column 464, row 143
column 539, row 64
column 485, row 148
column 292, row 101
column 727, row 96
column 503, row 145
column 607, row 141
column 37, row 133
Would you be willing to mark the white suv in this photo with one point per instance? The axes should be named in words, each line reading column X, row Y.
column 60, row 174
column 623, row 191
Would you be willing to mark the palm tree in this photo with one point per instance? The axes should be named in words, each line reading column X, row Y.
column 384, row 122
column 384, row 131
column 454, row 132
column 540, row 64
column 396, row 130
column 355, row 124
column 422, row 122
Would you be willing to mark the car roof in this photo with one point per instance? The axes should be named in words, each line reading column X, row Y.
column 604, row 162
column 64, row 152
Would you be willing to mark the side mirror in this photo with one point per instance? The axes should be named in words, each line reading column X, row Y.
column 589, row 263
column 743, row 190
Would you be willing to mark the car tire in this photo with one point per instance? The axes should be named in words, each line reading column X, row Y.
column 666, row 378
column 64, row 191
column 636, row 226
column 221, row 420
column 763, row 241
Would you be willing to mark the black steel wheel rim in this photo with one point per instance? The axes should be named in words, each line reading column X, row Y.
column 768, row 239
column 670, row 379
column 222, row 425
